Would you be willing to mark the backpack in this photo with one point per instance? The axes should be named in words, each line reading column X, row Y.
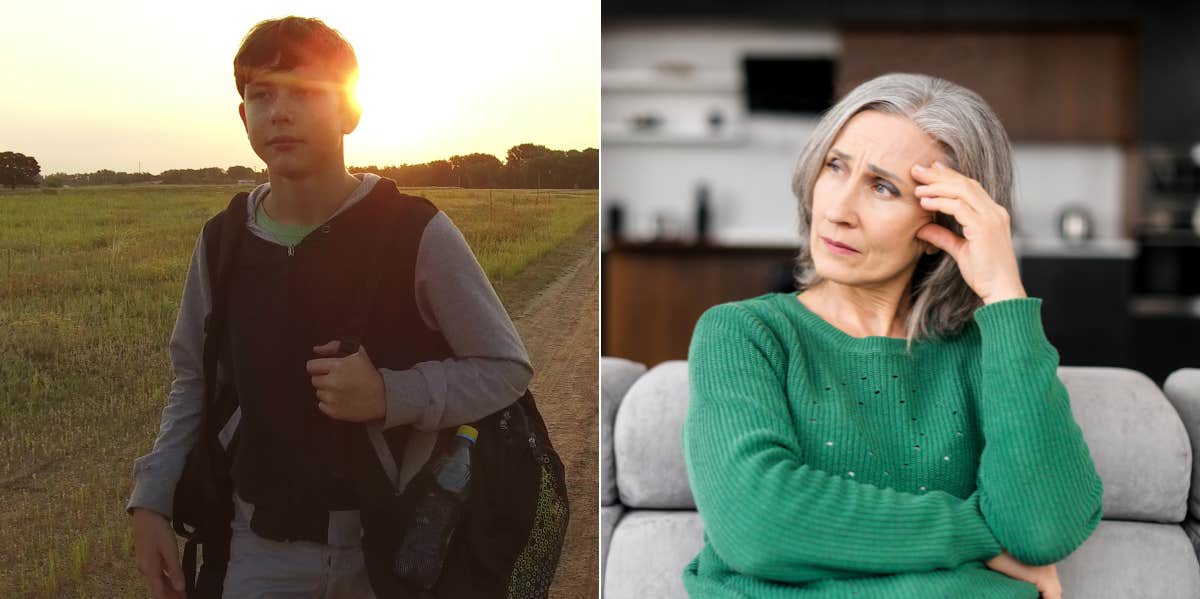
column 514, row 521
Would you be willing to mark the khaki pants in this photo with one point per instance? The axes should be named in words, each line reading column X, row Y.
column 264, row 569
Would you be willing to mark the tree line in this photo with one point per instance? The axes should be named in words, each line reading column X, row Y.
column 18, row 169
column 526, row 166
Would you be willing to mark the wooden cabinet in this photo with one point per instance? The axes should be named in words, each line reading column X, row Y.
column 653, row 294
column 1046, row 86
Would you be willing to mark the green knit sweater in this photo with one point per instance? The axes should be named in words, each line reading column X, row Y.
column 826, row 465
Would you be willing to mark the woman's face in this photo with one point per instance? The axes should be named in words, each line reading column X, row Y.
column 864, row 198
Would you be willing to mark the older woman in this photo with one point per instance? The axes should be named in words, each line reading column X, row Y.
column 897, row 429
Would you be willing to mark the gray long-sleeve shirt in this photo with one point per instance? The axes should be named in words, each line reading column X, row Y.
column 490, row 369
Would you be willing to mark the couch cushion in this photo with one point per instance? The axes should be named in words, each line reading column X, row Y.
column 1139, row 444
column 1183, row 389
column 1192, row 527
column 609, row 516
column 616, row 376
column 1132, row 559
column 648, row 440
column 649, row 550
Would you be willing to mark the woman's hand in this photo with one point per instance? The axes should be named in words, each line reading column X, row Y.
column 985, row 257
column 1045, row 578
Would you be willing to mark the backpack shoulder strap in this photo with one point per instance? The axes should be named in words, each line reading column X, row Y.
column 222, row 235
column 383, row 238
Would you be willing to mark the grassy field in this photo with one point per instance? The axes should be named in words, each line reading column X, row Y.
column 90, row 281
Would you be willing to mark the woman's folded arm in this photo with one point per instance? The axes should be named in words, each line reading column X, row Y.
column 769, row 514
column 1039, row 490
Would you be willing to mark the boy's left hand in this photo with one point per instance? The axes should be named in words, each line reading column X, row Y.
column 348, row 388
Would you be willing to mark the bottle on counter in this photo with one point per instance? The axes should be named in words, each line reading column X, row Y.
column 703, row 215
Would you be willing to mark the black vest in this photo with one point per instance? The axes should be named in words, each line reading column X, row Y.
column 291, row 461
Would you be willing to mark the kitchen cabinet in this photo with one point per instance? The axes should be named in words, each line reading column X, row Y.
column 1086, row 303
column 1046, row 86
column 1165, row 343
column 1165, row 34
column 873, row 10
column 653, row 294
column 1170, row 57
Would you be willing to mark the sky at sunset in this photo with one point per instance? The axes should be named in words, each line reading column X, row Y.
column 108, row 85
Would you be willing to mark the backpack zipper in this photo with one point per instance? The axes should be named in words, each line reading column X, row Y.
column 291, row 250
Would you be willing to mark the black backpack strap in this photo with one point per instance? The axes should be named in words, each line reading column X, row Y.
column 221, row 237
column 384, row 239
column 189, row 566
column 228, row 234
column 359, row 315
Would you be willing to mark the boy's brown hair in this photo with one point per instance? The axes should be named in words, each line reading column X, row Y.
column 290, row 42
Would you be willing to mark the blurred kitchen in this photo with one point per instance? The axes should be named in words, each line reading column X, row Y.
column 706, row 104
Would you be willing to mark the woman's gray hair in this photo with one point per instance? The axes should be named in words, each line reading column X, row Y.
column 974, row 143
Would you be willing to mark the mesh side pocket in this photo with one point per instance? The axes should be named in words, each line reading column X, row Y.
column 534, row 569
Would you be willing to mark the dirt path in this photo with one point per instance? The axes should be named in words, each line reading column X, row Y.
column 561, row 331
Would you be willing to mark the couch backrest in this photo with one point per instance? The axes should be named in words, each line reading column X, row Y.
column 1137, row 440
column 1140, row 446
column 647, row 440
column 1183, row 389
column 616, row 376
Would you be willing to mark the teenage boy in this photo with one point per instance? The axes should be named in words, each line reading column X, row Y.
column 440, row 349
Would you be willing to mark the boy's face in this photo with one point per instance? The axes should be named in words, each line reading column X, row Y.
column 295, row 119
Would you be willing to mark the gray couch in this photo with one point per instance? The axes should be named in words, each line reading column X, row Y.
column 1141, row 440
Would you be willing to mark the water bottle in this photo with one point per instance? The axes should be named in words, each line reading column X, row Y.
column 436, row 511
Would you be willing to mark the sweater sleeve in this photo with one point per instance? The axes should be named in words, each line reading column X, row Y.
column 1040, row 492
column 490, row 368
column 156, row 473
column 769, row 514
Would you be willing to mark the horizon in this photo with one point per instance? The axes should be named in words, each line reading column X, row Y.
column 502, row 157
column 502, row 76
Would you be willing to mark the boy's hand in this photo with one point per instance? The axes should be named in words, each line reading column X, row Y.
column 156, row 555
column 348, row 388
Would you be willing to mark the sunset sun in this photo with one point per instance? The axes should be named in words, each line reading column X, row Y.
column 402, row 102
